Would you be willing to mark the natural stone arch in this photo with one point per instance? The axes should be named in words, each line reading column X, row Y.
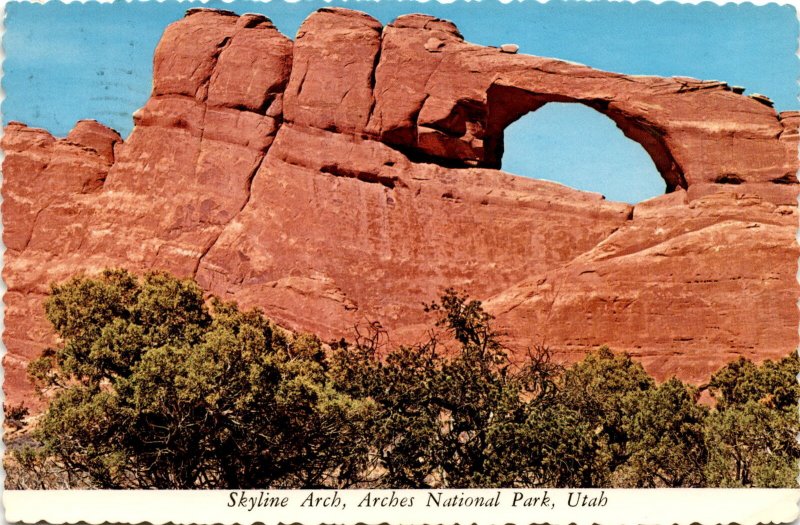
column 506, row 104
column 701, row 135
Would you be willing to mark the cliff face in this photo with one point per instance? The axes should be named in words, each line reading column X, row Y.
column 352, row 174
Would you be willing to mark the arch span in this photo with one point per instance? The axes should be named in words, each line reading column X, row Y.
column 454, row 111
column 506, row 104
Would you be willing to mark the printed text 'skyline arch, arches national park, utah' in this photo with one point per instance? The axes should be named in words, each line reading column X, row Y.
column 353, row 173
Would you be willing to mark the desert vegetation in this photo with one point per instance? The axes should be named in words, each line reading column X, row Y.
column 154, row 385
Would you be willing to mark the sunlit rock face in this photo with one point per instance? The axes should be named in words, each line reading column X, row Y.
column 350, row 175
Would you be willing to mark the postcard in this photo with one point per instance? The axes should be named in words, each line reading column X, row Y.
column 400, row 262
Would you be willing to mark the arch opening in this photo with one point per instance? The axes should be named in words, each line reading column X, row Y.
column 588, row 145
column 576, row 146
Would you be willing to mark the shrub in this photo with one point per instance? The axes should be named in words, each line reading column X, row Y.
column 157, row 389
column 155, row 386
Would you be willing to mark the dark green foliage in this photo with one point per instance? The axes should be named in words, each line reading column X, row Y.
column 155, row 386
column 605, row 390
column 752, row 436
column 15, row 413
column 465, row 420
column 665, row 446
column 643, row 435
column 772, row 384
column 155, row 389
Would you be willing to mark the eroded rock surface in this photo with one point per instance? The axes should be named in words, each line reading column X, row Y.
column 352, row 174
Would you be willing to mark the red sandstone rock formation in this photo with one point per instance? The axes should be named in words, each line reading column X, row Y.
column 353, row 173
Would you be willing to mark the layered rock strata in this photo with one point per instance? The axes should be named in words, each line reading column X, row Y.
column 352, row 174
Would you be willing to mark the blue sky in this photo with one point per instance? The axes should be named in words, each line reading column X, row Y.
column 68, row 62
